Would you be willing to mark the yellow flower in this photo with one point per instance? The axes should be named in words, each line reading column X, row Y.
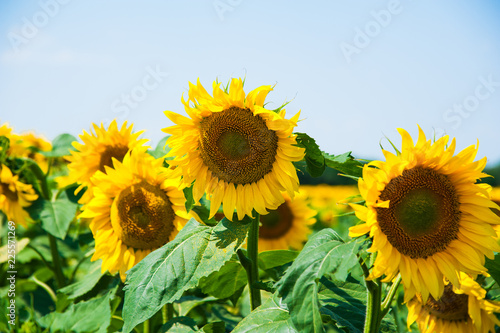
column 495, row 197
column 29, row 145
column 330, row 201
column 287, row 226
column 463, row 309
column 97, row 151
column 426, row 214
column 239, row 153
column 15, row 196
column 137, row 207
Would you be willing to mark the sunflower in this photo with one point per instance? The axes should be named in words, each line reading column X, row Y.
column 97, row 151
column 427, row 216
column 30, row 145
column 15, row 196
column 137, row 207
column 287, row 226
column 460, row 309
column 239, row 153
column 330, row 201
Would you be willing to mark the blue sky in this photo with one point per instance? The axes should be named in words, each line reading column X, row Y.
column 357, row 71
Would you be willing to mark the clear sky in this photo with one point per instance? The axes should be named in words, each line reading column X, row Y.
column 356, row 70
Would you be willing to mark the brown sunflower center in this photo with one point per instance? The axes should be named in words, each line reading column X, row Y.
column 107, row 155
column 237, row 146
column 11, row 195
column 142, row 216
column 276, row 223
column 423, row 215
column 450, row 307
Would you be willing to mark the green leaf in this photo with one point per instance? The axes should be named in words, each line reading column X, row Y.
column 345, row 303
column 55, row 215
column 314, row 156
column 324, row 253
column 225, row 282
column 161, row 149
column 180, row 325
column 493, row 267
column 272, row 316
column 275, row 258
column 188, row 303
column 61, row 146
column 80, row 288
column 90, row 316
column 344, row 163
column 164, row 275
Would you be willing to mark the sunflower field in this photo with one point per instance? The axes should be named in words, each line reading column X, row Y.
column 219, row 228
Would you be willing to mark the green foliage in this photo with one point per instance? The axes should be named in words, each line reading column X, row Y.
column 61, row 146
column 272, row 316
column 188, row 194
column 55, row 215
column 83, row 286
column 90, row 316
column 493, row 267
column 224, row 282
column 275, row 258
column 165, row 274
column 161, row 149
column 345, row 302
column 317, row 160
column 314, row 157
column 324, row 253
column 4, row 147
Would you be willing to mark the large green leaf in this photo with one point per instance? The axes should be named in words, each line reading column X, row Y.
column 164, row 275
column 55, row 215
column 324, row 253
column 180, row 325
column 90, row 316
column 345, row 302
column 272, row 316
column 226, row 281
column 61, row 146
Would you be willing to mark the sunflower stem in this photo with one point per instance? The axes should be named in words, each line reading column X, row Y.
column 55, row 261
column 386, row 304
column 145, row 326
column 373, row 318
column 167, row 312
column 251, row 263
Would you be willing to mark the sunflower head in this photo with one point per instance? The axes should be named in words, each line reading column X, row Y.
column 138, row 206
column 460, row 309
column 15, row 196
column 287, row 226
column 427, row 215
column 97, row 152
column 236, row 151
